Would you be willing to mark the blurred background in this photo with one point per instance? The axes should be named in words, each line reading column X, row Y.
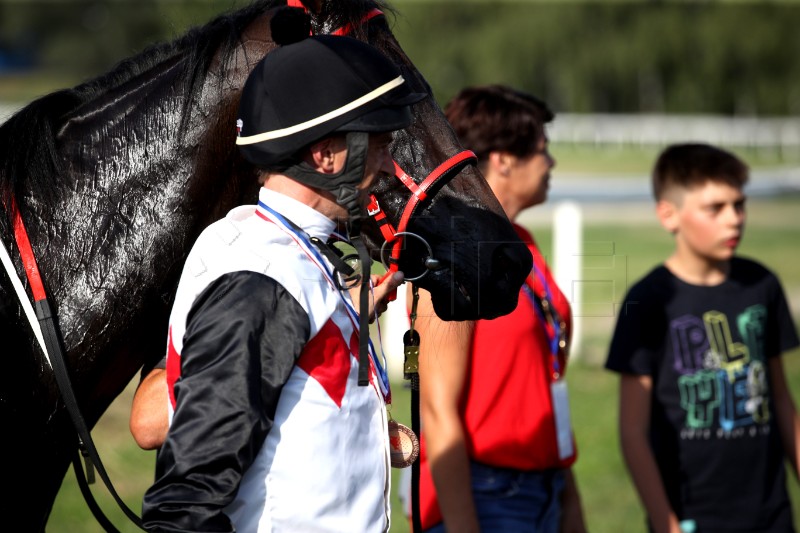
column 624, row 78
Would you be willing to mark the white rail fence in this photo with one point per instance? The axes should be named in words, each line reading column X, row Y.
column 782, row 133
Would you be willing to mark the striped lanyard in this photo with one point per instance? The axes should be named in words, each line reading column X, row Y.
column 548, row 316
column 302, row 239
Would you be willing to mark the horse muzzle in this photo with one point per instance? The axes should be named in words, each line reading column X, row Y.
column 488, row 292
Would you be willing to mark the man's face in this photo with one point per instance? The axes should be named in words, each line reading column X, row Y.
column 379, row 162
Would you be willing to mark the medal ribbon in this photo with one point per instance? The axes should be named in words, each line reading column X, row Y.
column 302, row 239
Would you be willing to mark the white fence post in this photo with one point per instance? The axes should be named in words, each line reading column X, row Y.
column 567, row 264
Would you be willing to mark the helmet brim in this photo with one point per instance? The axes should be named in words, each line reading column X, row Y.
column 388, row 118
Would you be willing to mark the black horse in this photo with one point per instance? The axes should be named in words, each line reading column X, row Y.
column 114, row 180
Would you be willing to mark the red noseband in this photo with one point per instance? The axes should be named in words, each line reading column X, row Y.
column 419, row 193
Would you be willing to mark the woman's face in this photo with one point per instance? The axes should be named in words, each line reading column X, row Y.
column 530, row 175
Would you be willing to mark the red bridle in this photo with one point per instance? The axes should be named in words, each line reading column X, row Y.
column 419, row 193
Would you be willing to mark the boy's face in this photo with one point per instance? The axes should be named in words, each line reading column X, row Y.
column 707, row 220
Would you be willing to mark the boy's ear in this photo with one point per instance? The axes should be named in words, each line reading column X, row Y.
column 667, row 213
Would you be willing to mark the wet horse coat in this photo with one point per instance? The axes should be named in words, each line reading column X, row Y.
column 115, row 179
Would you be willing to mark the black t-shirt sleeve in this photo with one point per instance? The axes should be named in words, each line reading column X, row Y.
column 779, row 334
column 785, row 338
column 243, row 336
column 639, row 331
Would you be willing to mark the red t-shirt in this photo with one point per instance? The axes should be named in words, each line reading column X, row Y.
column 506, row 405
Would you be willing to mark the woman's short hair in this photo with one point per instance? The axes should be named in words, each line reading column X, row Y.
column 498, row 118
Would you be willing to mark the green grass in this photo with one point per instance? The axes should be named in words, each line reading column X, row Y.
column 610, row 504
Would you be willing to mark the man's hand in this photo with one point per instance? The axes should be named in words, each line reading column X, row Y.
column 381, row 294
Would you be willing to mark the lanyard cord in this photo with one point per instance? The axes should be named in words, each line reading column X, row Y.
column 304, row 241
column 548, row 315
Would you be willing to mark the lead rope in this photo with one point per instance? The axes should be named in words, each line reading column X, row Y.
column 411, row 342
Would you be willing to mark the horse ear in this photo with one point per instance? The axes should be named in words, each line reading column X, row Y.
column 289, row 25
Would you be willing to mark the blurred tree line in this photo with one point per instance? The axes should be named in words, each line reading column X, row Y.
column 672, row 57
column 659, row 56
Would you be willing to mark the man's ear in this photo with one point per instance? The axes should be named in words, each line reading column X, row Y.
column 667, row 213
column 321, row 155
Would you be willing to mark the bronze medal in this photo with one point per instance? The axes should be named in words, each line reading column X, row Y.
column 403, row 445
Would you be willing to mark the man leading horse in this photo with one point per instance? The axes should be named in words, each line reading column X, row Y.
column 271, row 427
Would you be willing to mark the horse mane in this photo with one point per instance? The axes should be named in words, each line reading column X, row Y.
column 29, row 153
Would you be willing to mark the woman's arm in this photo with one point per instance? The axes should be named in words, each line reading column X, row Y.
column 149, row 413
column 572, row 520
column 444, row 359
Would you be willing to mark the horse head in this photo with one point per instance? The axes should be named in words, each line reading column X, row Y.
column 115, row 178
column 480, row 261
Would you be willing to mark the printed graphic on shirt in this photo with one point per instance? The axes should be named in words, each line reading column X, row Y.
column 722, row 383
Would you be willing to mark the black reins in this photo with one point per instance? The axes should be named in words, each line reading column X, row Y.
column 53, row 348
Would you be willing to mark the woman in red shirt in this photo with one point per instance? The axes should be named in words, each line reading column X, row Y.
column 497, row 446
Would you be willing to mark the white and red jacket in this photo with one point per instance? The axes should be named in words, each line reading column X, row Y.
column 270, row 430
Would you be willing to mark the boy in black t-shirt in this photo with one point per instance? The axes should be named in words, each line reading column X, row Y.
column 706, row 418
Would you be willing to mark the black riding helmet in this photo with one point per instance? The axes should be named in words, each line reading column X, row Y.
column 304, row 91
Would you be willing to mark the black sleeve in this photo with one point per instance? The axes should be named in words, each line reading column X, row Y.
column 784, row 337
column 244, row 334
column 638, row 332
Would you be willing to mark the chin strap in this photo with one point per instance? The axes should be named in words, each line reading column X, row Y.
column 341, row 184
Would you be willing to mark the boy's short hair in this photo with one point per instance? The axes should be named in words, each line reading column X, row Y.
column 690, row 165
column 498, row 118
